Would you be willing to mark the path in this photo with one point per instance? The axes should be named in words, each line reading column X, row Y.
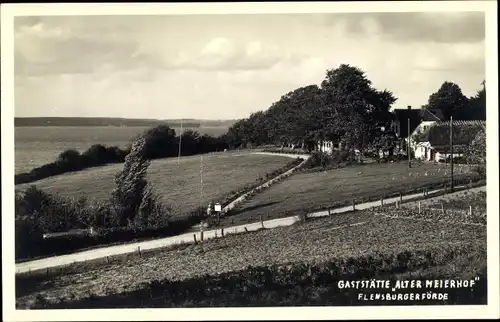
column 91, row 254
column 244, row 196
column 188, row 237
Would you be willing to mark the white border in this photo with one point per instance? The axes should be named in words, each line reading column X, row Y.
column 7, row 130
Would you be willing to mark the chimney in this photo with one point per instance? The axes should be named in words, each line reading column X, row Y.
column 409, row 107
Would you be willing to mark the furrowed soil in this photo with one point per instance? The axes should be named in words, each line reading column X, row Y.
column 456, row 250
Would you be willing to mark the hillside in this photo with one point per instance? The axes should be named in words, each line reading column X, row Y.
column 112, row 121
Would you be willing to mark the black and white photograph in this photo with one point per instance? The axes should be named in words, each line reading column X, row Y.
column 227, row 159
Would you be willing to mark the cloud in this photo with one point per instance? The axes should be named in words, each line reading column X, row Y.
column 440, row 27
column 223, row 54
column 228, row 66
column 43, row 48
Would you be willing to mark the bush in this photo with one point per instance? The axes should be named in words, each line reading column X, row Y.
column 325, row 161
column 161, row 143
column 285, row 150
column 71, row 160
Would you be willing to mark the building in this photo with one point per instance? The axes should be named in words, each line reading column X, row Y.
column 433, row 142
column 326, row 146
column 419, row 120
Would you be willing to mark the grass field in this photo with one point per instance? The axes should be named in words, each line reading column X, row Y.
column 179, row 185
column 304, row 192
column 36, row 146
column 313, row 242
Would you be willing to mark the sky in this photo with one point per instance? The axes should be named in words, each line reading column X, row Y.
column 228, row 66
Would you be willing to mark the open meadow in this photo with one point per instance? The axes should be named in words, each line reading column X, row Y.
column 305, row 192
column 296, row 265
column 179, row 185
column 39, row 145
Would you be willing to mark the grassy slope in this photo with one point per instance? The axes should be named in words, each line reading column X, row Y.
column 36, row 146
column 179, row 185
column 315, row 241
column 308, row 191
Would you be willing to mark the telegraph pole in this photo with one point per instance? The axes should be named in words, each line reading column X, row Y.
column 408, row 140
column 451, row 152
column 201, row 182
column 180, row 141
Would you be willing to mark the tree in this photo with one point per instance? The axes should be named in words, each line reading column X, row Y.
column 160, row 142
column 477, row 107
column 449, row 100
column 477, row 152
column 351, row 108
column 386, row 142
column 189, row 143
column 131, row 183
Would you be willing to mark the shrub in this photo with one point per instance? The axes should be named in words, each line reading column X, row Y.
column 325, row 161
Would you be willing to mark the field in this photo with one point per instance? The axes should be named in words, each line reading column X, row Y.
column 408, row 248
column 36, row 146
column 304, row 192
column 179, row 185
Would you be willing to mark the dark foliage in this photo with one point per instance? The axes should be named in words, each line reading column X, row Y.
column 161, row 143
column 38, row 213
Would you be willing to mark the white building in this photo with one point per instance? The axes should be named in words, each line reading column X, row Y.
column 433, row 144
column 326, row 146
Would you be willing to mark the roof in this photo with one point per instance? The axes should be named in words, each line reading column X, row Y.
column 463, row 133
column 431, row 115
column 402, row 115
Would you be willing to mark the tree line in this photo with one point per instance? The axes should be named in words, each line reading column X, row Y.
column 345, row 109
column 161, row 142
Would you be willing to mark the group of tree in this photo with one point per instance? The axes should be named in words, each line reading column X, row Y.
column 345, row 109
column 161, row 142
column 450, row 100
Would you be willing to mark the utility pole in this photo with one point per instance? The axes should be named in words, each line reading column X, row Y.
column 201, row 183
column 451, row 152
column 180, row 141
column 408, row 139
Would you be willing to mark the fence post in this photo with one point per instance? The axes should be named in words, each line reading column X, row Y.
column 261, row 221
column 353, row 204
column 222, row 232
column 107, row 259
column 139, row 250
column 382, row 201
column 246, row 230
column 329, row 212
column 419, row 207
column 470, row 210
column 194, row 237
column 397, row 204
column 201, row 235
column 442, row 207
column 400, row 197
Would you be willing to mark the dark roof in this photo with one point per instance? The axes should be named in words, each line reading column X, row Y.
column 463, row 133
column 431, row 115
column 401, row 120
column 416, row 116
